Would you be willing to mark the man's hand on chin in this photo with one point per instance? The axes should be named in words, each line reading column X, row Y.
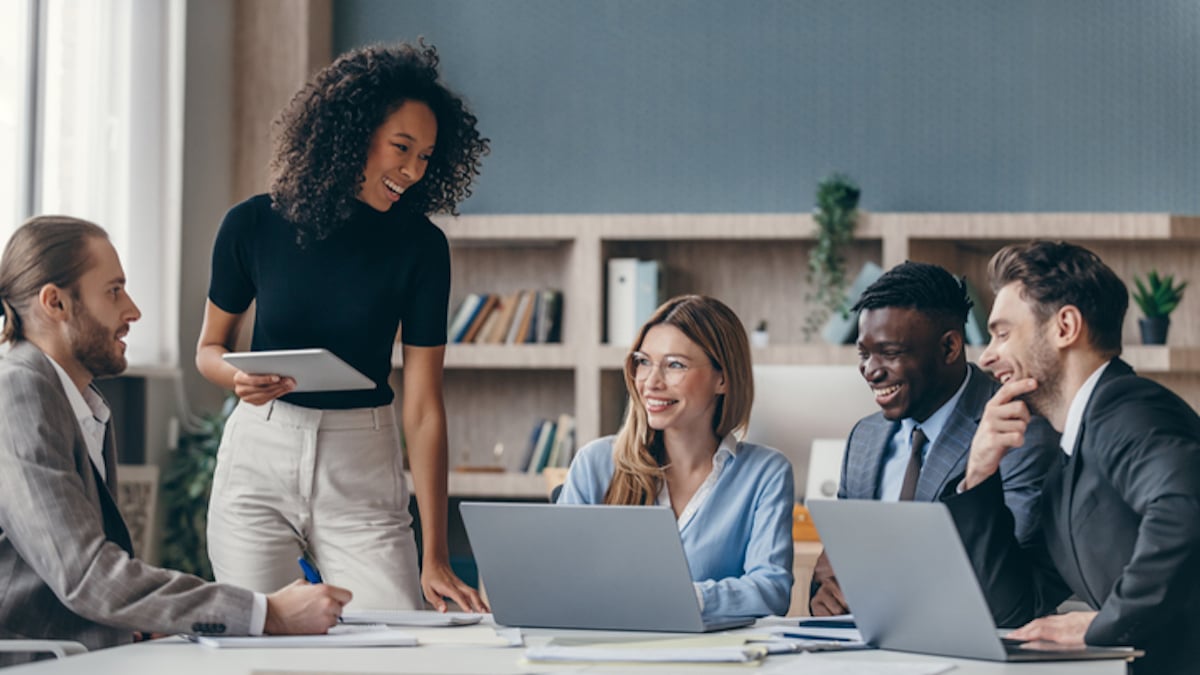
column 1066, row 628
column 1001, row 428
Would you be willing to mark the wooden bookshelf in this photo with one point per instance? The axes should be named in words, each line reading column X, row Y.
column 757, row 263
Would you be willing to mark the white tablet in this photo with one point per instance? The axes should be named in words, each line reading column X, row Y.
column 313, row 369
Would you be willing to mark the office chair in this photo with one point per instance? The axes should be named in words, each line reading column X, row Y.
column 59, row 648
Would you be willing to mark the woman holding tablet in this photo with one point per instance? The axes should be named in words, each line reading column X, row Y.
column 690, row 388
column 337, row 256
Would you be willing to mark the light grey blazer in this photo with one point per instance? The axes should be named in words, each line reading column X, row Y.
column 1022, row 469
column 65, row 566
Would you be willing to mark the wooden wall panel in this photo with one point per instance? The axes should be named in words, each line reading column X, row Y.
column 278, row 45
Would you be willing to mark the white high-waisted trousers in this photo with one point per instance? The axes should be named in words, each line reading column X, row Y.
column 331, row 482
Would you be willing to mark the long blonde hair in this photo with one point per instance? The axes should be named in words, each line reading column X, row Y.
column 638, row 452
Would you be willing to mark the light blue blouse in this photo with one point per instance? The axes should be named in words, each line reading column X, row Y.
column 739, row 541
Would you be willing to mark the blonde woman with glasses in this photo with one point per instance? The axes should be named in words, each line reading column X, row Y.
column 690, row 391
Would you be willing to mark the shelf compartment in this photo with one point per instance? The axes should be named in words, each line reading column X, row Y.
column 758, row 279
column 489, row 406
column 1126, row 258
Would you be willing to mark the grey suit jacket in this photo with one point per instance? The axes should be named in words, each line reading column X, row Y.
column 1022, row 469
column 65, row 567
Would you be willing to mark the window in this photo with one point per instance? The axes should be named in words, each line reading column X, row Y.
column 15, row 85
column 91, row 126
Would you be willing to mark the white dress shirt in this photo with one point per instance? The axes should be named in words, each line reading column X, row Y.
column 895, row 462
column 92, row 414
column 1075, row 412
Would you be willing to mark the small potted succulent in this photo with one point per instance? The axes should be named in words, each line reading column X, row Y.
column 1157, row 297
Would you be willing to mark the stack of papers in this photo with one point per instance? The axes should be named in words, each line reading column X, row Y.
column 377, row 635
column 840, row 629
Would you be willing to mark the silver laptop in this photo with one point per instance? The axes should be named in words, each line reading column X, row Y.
column 599, row 567
column 911, row 587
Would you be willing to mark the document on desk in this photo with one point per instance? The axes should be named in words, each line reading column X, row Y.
column 475, row 636
column 700, row 649
column 339, row 636
column 830, row 628
column 410, row 617
column 811, row 665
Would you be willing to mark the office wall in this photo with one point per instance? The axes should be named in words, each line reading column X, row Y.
column 207, row 174
column 723, row 105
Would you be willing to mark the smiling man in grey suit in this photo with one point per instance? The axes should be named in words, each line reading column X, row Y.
column 912, row 355
column 66, row 565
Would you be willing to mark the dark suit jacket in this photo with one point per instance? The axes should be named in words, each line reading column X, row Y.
column 66, row 571
column 1022, row 469
column 1120, row 527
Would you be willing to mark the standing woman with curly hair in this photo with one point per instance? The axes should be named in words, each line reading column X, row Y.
column 338, row 255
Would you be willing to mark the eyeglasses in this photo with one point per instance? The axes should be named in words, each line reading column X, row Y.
column 672, row 369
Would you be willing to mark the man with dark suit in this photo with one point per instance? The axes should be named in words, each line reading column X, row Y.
column 1120, row 513
column 911, row 354
column 66, row 565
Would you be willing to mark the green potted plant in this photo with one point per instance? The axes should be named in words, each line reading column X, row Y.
column 836, row 216
column 185, row 492
column 1157, row 297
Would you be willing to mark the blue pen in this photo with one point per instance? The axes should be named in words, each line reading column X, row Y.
column 310, row 572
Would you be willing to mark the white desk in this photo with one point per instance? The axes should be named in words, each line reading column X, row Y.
column 177, row 657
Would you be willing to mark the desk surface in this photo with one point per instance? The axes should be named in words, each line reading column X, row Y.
column 177, row 657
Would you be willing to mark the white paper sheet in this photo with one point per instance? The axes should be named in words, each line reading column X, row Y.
column 811, row 665
column 633, row 654
column 338, row 636
column 410, row 617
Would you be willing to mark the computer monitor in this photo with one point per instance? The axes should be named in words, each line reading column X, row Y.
column 794, row 405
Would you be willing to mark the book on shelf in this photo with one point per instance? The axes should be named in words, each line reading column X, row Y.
column 508, row 307
column 551, row 329
column 467, row 310
column 564, row 442
column 531, row 446
column 520, row 317
column 635, row 290
column 551, row 444
column 548, row 323
column 489, row 303
column 541, row 451
column 530, row 333
column 489, row 321
column 531, row 308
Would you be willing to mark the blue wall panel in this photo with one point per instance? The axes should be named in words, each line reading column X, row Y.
column 713, row 105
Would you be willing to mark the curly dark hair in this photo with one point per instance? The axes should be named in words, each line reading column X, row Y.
column 927, row 288
column 325, row 131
